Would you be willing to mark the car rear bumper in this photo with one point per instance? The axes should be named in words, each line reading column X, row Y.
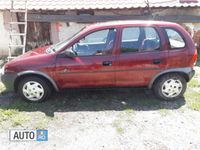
column 191, row 74
column 8, row 80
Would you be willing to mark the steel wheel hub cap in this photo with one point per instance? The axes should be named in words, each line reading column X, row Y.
column 171, row 88
column 33, row 90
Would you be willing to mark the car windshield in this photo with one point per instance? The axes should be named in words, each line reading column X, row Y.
column 61, row 44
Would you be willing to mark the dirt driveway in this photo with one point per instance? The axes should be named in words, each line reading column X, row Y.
column 108, row 119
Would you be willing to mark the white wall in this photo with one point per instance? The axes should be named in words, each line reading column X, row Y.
column 4, row 38
column 4, row 33
column 61, row 30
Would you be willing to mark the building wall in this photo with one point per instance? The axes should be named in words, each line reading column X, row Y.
column 4, row 33
column 63, row 30
column 4, row 39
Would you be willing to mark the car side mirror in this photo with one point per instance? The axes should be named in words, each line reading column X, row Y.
column 67, row 53
column 70, row 53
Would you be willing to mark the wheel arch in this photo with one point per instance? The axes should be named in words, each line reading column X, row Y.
column 185, row 72
column 35, row 73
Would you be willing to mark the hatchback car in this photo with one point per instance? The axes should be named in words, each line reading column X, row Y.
column 154, row 54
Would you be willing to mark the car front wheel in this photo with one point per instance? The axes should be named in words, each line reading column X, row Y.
column 170, row 87
column 34, row 89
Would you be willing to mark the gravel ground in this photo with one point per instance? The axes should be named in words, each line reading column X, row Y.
column 122, row 119
column 116, row 130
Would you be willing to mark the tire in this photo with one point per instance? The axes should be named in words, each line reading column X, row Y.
column 170, row 87
column 34, row 89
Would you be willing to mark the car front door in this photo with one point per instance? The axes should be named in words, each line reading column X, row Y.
column 141, row 56
column 94, row 63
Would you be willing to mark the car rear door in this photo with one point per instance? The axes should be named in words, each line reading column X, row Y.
column 177, row 47
column 141, row 55
column 94, row 65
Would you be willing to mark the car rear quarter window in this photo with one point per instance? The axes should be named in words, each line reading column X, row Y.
column 176, row 41
column 139, row 39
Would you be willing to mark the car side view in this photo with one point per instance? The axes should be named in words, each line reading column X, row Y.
column 155, row 54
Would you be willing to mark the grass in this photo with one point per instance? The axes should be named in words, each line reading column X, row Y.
column 193, row 100
column 25, row 115
column 6, row 114
column 164, row 112
column 194, row 83
column 120, row 130
column 192, row 96
column 12, row 117
column 129, row 110
column 118, row 127
column 20, row 119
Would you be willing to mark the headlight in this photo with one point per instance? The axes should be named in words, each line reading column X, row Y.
column 2, row 70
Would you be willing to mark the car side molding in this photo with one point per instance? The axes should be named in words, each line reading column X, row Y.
column 187, row 71
column 33, row 72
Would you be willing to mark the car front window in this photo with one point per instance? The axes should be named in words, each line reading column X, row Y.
column 96, row 43
column 61, row 44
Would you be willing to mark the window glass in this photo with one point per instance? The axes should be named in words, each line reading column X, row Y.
column 130, row 39
column 175, row 39
column 141, row 39
column 97, row 43
column 151, row 33
column 96, row 37
column 151, row 41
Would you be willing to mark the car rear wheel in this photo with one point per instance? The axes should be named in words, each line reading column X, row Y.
column 34, row 89
column 170, row 87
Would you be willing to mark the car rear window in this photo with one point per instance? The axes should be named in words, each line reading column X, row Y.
column 175, row 39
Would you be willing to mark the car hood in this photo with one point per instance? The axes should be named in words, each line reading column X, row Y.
column 34, row 52
column 31, row 59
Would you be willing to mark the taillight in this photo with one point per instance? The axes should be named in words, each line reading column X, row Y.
column 195, row 57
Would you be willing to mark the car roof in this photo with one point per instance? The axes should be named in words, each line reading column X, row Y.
column 130, row 22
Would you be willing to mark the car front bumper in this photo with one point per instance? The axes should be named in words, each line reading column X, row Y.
column 8, row 80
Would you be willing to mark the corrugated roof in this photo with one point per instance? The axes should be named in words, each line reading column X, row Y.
column 93, row 4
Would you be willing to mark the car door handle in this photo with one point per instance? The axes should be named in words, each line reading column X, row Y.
column 107, row 63
column 157, row 61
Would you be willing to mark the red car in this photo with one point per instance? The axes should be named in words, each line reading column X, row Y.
column 158, row 55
